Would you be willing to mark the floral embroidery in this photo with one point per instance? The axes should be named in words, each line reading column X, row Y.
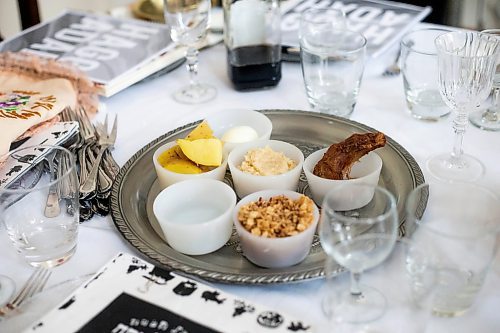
column 23, row 104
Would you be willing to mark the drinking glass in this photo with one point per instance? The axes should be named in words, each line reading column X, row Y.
column 419, row 68
column 489, row 119
column 188, row 21
column 466, row 63
column 332, row 60
column 408, row 304
column 358, row 230
column 40, row 209
column 459, row 227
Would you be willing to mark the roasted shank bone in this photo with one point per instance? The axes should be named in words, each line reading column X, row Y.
column 339, row 158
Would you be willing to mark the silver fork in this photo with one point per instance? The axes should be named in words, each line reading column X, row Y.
column 52, row 208
column 105, row 140
column 35, row 284
column 88, row 135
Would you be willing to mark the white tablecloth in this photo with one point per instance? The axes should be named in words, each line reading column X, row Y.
column 146, row 111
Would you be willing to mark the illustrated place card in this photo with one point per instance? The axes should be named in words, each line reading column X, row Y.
column 130, row 295
column 54, row 135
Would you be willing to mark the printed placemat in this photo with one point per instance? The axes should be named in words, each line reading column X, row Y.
column 55, row 135
column 132, row 295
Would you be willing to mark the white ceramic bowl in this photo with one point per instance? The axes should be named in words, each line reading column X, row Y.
column 366, row 171
column 245, row 183
column 195, row 215
column 167, row 177
column 274, row 252
column 224, row 120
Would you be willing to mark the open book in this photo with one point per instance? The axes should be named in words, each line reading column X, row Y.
column 113, row 52
column 131, row 295
column 383, row 23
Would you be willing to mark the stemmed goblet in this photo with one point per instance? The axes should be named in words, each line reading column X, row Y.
column 489, row 119
column 358, row 229
column 188, row 21
column 466, row 64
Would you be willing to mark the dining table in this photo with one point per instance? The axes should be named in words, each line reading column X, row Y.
column 146, row 111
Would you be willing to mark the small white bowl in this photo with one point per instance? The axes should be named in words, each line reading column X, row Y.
column 167, row 177
column 245, row 183
column 224, row 120
column 195, row 215
column 274, row 252
column 366, row 171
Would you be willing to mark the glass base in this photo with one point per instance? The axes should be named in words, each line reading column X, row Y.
column 194, row 94
column 7, row 288
column 49, row 263
column 489, row 121
column 370, row 305
column 468, row 168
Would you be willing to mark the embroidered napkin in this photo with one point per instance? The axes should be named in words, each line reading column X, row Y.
column 34, row 90
column 25, row 102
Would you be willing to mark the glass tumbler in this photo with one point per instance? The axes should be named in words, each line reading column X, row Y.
column 419, row 67
column 332, row 64
column 40, row 208
column 459, row 227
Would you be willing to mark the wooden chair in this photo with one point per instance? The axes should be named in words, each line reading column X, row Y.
column 28, row 10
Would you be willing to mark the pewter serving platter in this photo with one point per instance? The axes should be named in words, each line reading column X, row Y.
column 136, row 186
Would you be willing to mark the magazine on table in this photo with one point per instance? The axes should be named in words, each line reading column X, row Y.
column 131, row 295
column 383, row 23
column 113, row 52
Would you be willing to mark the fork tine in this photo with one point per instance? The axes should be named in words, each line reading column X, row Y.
column 35, row 287
column 106, row 122
column 43, row 281
column 65, row 116
column 35, row 283
column 26, row 286
column 85, row 121
column 115, row 129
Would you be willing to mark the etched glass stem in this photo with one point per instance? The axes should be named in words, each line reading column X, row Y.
column 192, row 65
column 459, row 125
column 329, row 288
column 355, row 277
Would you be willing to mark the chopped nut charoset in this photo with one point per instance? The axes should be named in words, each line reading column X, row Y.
column 277, row 217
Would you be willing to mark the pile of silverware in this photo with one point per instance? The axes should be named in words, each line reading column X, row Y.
column 97, row 168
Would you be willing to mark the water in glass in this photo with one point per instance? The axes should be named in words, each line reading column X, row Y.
column 42, row 236
column 459, row 230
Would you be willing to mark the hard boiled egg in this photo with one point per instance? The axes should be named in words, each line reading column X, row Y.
column 239, row 134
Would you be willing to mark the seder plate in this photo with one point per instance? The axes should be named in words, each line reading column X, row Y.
column 136, row 186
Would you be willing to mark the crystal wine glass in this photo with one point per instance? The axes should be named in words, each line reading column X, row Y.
column 489, row 119
column 188, row 21
column 358, row 230
column 466, row 64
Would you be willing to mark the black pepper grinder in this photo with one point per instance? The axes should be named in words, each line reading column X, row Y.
column 252, row 35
